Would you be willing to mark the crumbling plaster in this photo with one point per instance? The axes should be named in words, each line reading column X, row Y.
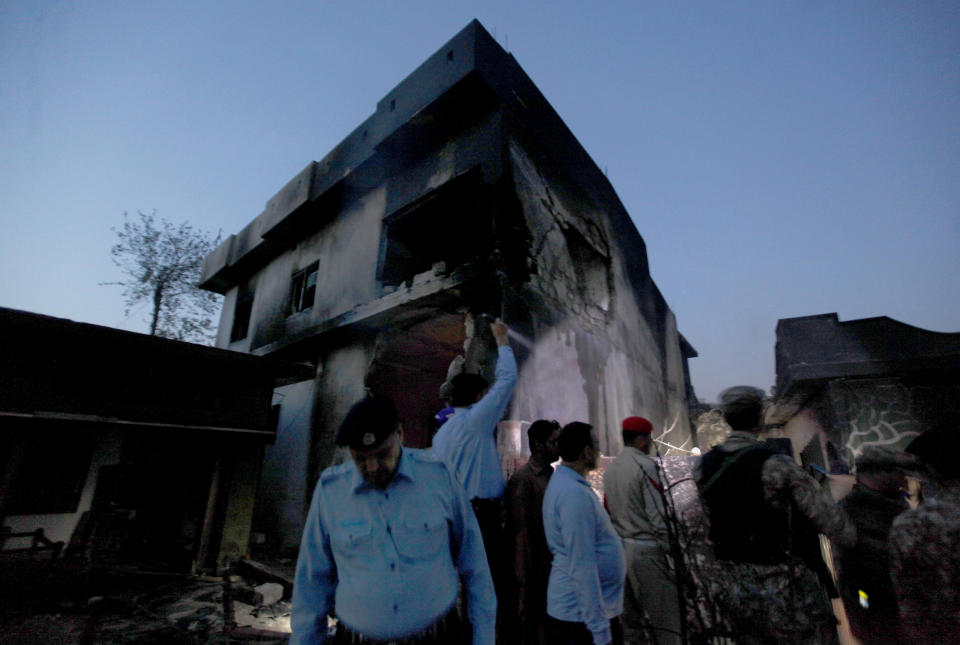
column 596, row 357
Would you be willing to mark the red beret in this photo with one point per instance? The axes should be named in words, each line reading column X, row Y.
column 637, row 424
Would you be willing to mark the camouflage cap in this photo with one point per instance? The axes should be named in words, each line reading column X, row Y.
column 739, row 397
column 742, row 407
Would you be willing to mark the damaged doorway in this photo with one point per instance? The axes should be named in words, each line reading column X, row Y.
column 410, row 366
column 149, row 510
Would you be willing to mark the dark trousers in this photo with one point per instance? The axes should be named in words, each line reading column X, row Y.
column 563, row 632
column 489, row 513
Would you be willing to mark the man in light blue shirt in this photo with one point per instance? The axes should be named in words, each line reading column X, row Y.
column 585, row 590
column 467, row 441
column 388, row 539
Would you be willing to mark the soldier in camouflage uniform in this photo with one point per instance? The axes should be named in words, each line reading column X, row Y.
column 765, row 515
column 925, row 546
column 863, row 571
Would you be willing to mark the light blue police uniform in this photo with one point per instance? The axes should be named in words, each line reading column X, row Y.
column 390, row 560
column 467, row 441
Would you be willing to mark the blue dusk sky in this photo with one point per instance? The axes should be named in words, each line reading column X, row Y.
column 780, row 158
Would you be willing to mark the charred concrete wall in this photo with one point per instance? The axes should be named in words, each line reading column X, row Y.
column 596, row 355
column 345, row 250
column 463, row 194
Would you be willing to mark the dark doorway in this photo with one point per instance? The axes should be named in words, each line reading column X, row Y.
column 149, row 511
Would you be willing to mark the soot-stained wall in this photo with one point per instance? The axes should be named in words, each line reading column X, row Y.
column 596, row 356
column 463, row 194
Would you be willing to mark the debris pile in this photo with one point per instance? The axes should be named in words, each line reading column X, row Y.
column 121, row 607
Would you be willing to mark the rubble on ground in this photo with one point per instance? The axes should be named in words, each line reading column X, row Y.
column 114, row 607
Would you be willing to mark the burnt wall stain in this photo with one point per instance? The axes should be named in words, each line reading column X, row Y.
column 463, row 194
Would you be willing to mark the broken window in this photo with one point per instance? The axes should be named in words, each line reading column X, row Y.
column 51, row 475
column 451, row 224
column 592, row 268
column 304, row 289
column 241, row 316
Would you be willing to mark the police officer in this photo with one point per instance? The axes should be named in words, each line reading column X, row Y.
column 388, row 538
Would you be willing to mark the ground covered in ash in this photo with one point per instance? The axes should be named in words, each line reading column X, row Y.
column 56, row 603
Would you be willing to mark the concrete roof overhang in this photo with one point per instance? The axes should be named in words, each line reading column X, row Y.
column 56, row 370
column 426, row 296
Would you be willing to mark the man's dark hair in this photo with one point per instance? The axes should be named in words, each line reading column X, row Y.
column 574, row 437
column 464, row 389
column 744, row 418
column 540, row 431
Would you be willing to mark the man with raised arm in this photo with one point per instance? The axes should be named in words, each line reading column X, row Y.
column 467, row 441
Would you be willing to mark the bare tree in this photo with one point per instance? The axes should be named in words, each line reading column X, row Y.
column 163, row 262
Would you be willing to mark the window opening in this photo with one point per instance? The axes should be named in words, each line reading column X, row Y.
column 592, row 269
column 304, row 289
column 52, row 474
column 451, row 224
column 241, row 316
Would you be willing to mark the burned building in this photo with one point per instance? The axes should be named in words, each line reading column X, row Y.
column 875, row 381
column 128, row 449
column 463, row 194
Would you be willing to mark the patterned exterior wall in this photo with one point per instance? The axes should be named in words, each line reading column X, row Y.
column 887, row 412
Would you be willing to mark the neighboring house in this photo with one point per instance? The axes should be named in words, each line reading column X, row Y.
column 844, row 385
column 464, row 193
column 131, row 449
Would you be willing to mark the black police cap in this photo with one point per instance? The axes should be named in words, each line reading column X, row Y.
column 368, row 423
